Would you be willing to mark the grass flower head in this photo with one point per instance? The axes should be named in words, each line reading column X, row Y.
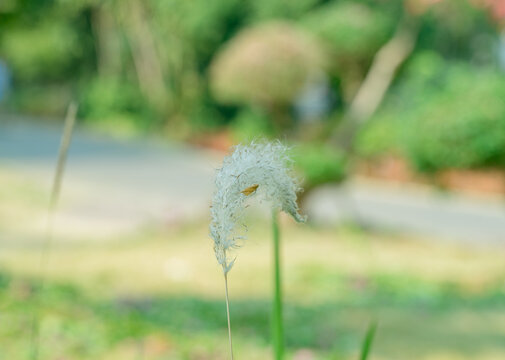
column 257, row 169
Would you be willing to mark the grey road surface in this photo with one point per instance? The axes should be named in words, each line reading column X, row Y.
column 113, row 186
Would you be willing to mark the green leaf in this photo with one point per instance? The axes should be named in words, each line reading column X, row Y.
column 367, row 342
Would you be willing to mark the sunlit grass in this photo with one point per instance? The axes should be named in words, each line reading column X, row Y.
column 22, row 206
column 317, row 263
column 157, row 294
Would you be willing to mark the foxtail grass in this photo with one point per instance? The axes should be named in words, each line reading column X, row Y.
column 49, row 229
column 257, row 168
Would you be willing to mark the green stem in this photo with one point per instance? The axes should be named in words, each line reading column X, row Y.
column 228, row 313
column 367, row 342
column 277, row 326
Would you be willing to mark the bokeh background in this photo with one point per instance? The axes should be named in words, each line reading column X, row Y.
column 395, row 112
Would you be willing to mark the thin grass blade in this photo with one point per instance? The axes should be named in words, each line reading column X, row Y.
column 367, row 342
column 53, row 202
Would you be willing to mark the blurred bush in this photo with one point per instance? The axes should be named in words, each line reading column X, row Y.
column 114, row 105
column 41, row 99
column 380, row 137
column 264, row 65
column 462, row 125
column 443, row 115
column 251, row 124
column 44, row 51
column 319, row 164
column 352, row 31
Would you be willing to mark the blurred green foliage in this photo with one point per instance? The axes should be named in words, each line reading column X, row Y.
column 380, row 137
column 462, row 125
column 198, row 27
column 190, row 67
column 250, row 124
column 115, row 104
column 319, row 164
column 261, row 10
column 352, row 31
column 444, row 114
column 45, row 51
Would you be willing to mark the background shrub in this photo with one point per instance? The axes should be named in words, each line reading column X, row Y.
column 443, row 115
column 319, row 164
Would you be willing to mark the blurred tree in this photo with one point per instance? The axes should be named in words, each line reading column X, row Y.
column 150, row 74
column 446, row 17
column 352, row 33
column 266, row 66
column 163, row 58
column 187, row 34
column 108, row 43
column 379, row 77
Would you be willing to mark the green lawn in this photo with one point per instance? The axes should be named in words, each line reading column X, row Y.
column 158, row 294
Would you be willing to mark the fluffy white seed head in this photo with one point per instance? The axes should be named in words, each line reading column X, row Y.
column 256, row 169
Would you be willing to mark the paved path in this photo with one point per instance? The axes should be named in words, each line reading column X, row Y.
column 112, row 186
column 412, row 209
column 115, row 186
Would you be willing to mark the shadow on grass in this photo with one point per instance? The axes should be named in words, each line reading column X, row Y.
column 409, row 326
